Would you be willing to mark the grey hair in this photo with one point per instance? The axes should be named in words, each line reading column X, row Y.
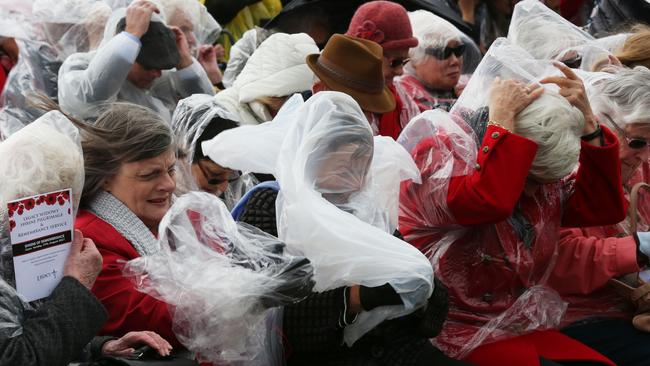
column 625, row 97
column 555, row 125
column 124, row 133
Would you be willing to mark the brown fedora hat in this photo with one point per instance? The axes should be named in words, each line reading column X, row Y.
column 353, row 66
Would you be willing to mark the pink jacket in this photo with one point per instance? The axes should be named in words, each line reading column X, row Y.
column 588, row 257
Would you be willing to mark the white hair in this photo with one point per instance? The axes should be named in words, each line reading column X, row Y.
column 555, row 125
column 624, row 97
column 40, row 158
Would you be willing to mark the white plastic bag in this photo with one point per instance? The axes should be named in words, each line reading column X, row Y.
column 335, row 181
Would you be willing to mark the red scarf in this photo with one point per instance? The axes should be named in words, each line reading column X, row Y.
column 389, row 122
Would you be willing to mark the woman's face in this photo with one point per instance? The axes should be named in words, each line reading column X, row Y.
column 211, row 177
column 343, row 170
column 632, row 158
column 440, row 74
column 146, row 187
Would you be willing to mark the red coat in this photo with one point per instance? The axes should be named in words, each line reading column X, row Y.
column 128, row 309
column 392, row 123
column 589, row 257
column 462, row 222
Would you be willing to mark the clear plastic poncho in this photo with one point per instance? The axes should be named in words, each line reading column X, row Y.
column 495, row 272
column 241, row 52
column 46, row 32
column 547, row 36
column 222, row 281
column 88, row 81
column 42, row 157
column 191, row 14
column 338, row 199
column 191, row 117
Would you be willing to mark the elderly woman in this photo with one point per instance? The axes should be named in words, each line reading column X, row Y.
column 330, row 179
column 198, row 119
column 130, row 163
column 268, row 79
column 590, row 256
column 488, row 215
column 436, row 62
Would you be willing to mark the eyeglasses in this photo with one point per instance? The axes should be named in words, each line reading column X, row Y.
column 399, row 62
column 214, row 179
column 444, row 53
column 633, row 143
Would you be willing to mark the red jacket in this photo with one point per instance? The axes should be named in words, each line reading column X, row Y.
column 460, row 217
column 128, row 309
column 392, row 123
column 588, row 257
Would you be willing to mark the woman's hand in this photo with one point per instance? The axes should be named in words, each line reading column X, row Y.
column 508, row 98
column 572, row 88
column 126, row 345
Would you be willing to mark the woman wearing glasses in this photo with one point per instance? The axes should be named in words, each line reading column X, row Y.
column 436, row 63
column 197, row 119
column 590, row 256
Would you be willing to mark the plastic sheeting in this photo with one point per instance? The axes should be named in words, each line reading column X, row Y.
column 495, row 272
column 560, row 39
column 193, row 19
column 241, row 52
column 221, row 280
column 42, row 157
column 433, row 31
column 191, row 117
column 46, row 32
column 267, row 75
column 84, row 88
column 334, row 206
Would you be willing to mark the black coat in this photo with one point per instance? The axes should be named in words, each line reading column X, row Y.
column 57, row 331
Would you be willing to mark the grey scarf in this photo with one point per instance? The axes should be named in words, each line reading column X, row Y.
column 108, row 208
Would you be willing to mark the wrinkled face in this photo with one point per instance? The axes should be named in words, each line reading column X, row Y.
column 394, row 61
column 211, row 177
column 146, row 187
column 440, row 74
column 343, row 170
column 632, row 158
column 181, row 20
column 142, row 77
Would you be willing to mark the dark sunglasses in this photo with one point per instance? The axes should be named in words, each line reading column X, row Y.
column 209, row 176
column 446, row 52
column 632, row 142
column 399, row 62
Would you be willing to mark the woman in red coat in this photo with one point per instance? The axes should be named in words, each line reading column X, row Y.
column 488, row 216
column 129, row 161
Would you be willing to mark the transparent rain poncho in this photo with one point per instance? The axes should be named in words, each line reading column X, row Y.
column 46, row 32
column 547, row 36
column 338, row 199
column 192, row 18
column 191, row 117
column 88, row 81
column 435, row 32
column 496, row 271
column 222, row 281
column 43, row 157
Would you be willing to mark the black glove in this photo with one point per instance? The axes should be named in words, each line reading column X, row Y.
column 372, row 297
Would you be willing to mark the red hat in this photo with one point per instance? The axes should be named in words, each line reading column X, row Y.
column 383, row 22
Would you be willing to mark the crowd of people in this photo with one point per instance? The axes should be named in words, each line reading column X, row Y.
column 430, row 187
